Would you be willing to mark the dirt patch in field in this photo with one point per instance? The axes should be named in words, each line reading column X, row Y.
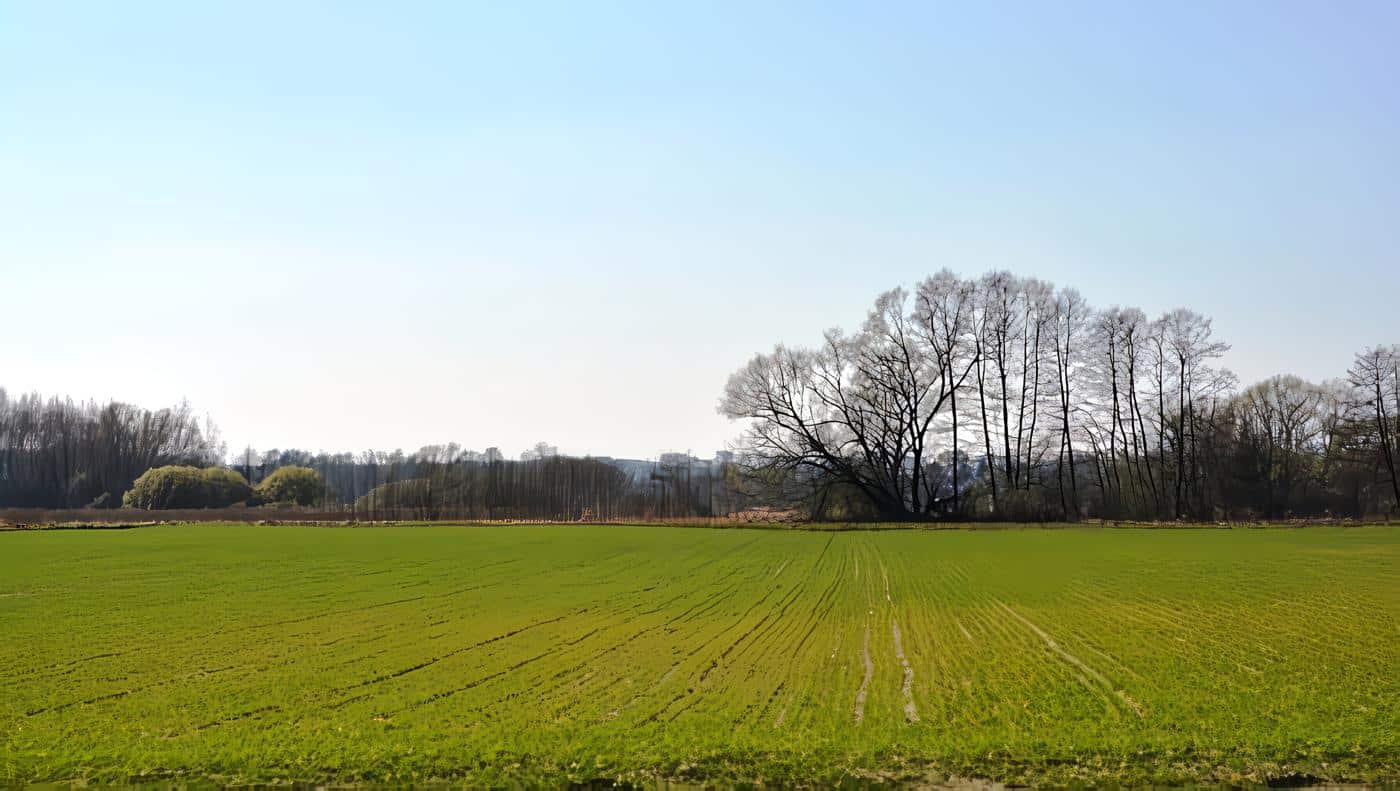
column 864, row 682
column 911, row 712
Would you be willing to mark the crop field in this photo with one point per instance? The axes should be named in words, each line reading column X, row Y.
column 508, row 655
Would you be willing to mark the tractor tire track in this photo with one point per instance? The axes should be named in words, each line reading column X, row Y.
column 1117, row 693
column 458, row 651
column 759, row 629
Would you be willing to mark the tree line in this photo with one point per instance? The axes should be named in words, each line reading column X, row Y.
column 441, row 483
column 996, row 397
column 55, row 453
column 1005, row 397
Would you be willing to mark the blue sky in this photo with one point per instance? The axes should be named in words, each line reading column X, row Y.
column 349, row 225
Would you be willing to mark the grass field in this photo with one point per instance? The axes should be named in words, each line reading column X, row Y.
column 548, row 654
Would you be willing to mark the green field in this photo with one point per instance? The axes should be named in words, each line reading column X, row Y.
column 549, row 654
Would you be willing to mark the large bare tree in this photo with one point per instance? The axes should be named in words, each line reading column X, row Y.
column 859, row 410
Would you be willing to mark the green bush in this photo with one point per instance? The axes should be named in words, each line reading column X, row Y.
column 187, row 487
column 224, row 487
column 292, row 486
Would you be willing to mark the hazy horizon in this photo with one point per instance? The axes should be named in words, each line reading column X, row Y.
column 342, row 228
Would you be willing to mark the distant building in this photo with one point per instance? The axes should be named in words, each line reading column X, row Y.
column 540, row 451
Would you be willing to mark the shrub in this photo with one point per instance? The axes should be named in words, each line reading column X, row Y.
column 186, row 487
column 224, row 487
column 293, row 486
column 166, row 487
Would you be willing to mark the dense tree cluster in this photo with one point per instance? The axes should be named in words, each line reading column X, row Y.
column 176, row 486
column 55, row 453
column 1005, row 397
column 292, row 485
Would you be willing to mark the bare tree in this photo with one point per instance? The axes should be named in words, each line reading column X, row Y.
column 858, row 409
column 1375, row 379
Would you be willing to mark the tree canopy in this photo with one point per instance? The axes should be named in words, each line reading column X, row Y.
column 175, row 486
column 1005, row 397
column 292, row 486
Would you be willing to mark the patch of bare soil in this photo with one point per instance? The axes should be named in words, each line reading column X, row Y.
column 864, row 682
column 911, row 712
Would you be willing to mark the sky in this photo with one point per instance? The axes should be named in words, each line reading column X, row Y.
column 340, row 226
